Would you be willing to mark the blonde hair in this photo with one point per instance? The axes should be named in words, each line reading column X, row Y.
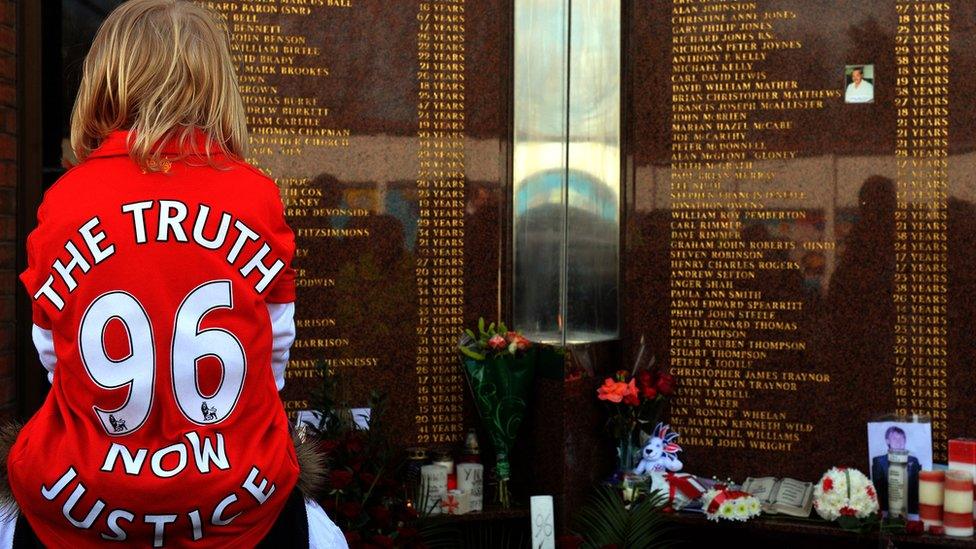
column 162, row 70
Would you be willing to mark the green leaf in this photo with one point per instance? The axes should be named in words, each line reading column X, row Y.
column 472, row 354
column 481, row 324
column 606, row 520
column 502, row 328
column 471, row 334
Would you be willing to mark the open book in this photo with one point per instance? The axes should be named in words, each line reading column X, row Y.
column 784, row 496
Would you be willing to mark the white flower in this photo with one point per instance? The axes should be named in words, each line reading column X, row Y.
column 845, row 488
column 736, row 507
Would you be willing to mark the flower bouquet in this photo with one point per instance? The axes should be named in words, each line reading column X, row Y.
column 846, row 496
column 500, row 366
column 635, row 400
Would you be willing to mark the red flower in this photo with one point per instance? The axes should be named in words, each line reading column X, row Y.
column 828, row 484
column 497, row 342
column 648, row 392
column 871, row 493
column 914, row 527
column 630, row 397
column 612, row 391
column 353, row 443
column 848, row 512
column 645, row 378
column 665, row 384
column 367, row 478
column 350, row 509
column 352, row 537
column 380, row 515
column 619, row 391
column 340, row 478
column 328, row 446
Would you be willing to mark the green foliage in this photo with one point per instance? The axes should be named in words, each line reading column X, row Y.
column 324, row 401
column 607, row 520
column 476, row 345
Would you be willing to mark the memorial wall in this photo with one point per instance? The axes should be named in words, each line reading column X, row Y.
column 800, row 235
column 385, row 126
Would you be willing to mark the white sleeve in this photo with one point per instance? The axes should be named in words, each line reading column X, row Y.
column 8, row 525
column 283, row 333
column 322, row 532
column 44, row 342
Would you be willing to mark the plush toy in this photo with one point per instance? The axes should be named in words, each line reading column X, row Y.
column 660, row 453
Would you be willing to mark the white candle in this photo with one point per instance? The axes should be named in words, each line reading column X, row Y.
column 471, row 481
column 962, row 457
column 897, row 483
column 958, row 510
column 433, row 484
column 931, row 497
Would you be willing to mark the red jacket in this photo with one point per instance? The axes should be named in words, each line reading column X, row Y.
column 163, row 425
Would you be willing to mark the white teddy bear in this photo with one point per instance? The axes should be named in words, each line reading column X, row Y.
column 660, row 453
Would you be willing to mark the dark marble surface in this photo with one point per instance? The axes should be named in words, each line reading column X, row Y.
column 845, row 164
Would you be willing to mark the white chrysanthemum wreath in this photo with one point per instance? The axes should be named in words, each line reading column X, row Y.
column 844, row 492
column 730, row 505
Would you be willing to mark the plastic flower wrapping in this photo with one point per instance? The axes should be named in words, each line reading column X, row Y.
column 730, row 505
column 844, row 492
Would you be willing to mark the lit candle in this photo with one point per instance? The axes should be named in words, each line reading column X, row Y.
column 958, row 511
column 931, row 493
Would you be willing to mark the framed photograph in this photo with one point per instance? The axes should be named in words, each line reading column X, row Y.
column 895, row 433
column 859, row 84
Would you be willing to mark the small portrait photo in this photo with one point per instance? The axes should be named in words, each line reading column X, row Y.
column 891, row 435
column 859, row 84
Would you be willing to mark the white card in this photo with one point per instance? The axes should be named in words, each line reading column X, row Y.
column 543, row 526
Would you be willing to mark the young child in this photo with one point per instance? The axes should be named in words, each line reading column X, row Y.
column 163, row 300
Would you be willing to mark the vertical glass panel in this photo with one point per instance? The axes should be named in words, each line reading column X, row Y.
column 593, row 197
column 539, row 166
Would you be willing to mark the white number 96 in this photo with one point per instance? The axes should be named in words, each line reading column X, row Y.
column 137, row 371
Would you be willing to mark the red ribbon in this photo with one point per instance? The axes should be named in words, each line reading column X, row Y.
column 683, row 482
column 722, row 497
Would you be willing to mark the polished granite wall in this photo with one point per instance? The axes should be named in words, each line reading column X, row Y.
column 801, row 262
column 386, row 127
